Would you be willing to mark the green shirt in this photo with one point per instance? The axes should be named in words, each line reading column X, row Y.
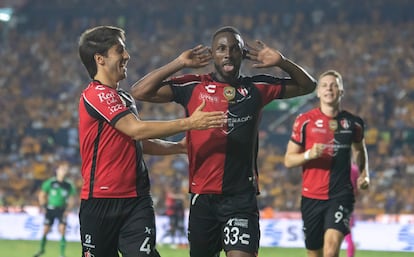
column 57, row 192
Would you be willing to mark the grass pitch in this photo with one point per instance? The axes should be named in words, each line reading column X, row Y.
column 21, row 248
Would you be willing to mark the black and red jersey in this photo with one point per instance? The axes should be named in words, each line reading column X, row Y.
column 328, row 177
column 223, row 160
column 112, row 162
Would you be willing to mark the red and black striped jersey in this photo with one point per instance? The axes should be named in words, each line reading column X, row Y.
column 223, row 160
column 328, row 176
column 112, row 162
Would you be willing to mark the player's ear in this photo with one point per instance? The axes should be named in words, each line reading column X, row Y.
column 244, row 53
column 99, row 59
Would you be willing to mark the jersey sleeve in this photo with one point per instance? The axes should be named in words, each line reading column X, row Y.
column 270, row 87
column 359, row 130
column 298, row 130
column 104, row 102
column 46, row 185
column 182, row 87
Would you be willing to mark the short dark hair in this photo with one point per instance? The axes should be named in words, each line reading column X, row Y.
column 97, row 40
column 233, row 30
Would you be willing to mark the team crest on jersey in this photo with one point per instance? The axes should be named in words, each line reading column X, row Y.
column 333, row 125
column 229, row 93
column 345, row 123
column 243, row 91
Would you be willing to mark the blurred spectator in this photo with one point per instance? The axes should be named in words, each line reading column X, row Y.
column 371, row 43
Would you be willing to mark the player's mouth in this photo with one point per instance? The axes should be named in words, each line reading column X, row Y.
column 123, row 66
column 228, row 67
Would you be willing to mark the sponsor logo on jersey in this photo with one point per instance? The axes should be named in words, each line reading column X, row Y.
column 319, row 123
column 211, row 89
column 209, row 98
column 233, row 121
column 99, row 87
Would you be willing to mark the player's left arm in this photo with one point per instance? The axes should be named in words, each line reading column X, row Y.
column 300, row 82
column 164, row 147
column 360, row 155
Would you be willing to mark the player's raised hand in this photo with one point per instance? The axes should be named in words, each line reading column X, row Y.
column 196, row 57
column 263, row 55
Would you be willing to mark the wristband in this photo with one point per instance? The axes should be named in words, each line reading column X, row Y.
column 306, row 156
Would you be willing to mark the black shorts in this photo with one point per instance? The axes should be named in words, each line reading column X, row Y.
column 319, row 215
column 54, row 214
column 218, row 222
column 111, row 225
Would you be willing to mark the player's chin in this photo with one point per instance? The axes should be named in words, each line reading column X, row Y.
column 123, row 76
column 229, row 75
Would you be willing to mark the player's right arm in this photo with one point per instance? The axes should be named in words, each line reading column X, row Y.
column 296, row 156
column 199, row 120
column 360, row 155
column 151, row 87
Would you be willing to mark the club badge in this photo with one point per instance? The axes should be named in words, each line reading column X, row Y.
column 229, row 93
column 333, row 125
column 345, row 123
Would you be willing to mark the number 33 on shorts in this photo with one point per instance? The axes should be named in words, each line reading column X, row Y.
column 236, row 232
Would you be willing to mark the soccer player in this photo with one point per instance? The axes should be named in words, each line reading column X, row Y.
column 223, row 172
column 323, row 142
column 116, row 210
column 57, row 198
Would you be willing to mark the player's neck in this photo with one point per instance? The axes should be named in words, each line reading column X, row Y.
column 106, row 81
column 330, row 110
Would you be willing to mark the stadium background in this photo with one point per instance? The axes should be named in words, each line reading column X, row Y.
column 370, row 42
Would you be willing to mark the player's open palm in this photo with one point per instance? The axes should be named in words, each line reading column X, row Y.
column 196, row 57
column 205, row 120
column 263, row 55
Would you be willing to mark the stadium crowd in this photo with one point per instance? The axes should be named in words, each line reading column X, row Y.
column 41, row 78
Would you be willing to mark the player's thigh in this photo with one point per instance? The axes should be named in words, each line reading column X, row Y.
column 338, row 214
column 49, row 217
column 138, row 233
column 61, row 217
column 100, row 222
column 313, row 220
column 204, row 229
column 240, row 229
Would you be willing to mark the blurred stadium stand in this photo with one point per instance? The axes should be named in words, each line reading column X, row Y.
column 371, row 44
